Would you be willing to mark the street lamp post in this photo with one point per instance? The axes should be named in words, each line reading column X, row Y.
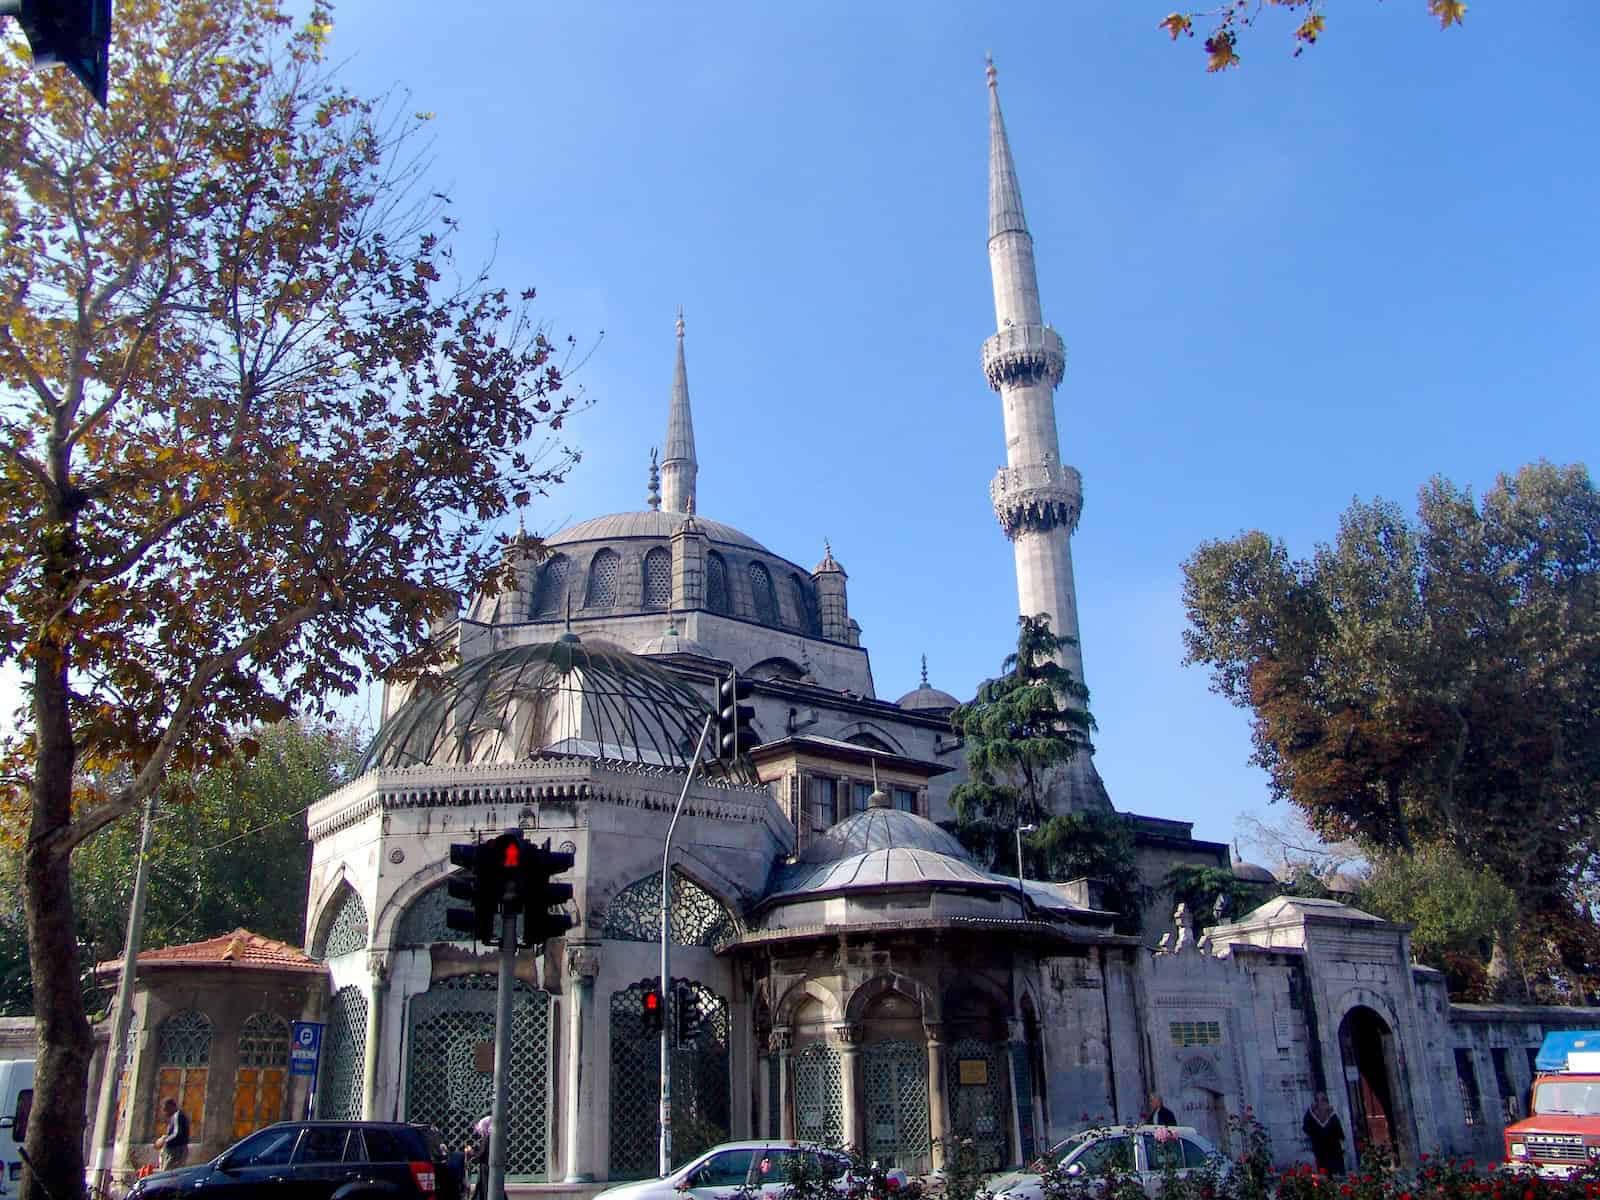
column 1022, row 829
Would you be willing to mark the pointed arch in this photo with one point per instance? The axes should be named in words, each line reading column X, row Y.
column 604, row 569
column 762, row 595
column 717, row 584
column 343, row 927
column 699, row 918
column 658, row 578
column 807, row 989
column 550, row 596
column 862, row 997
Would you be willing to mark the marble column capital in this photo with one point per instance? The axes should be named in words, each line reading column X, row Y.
column 780, row 1041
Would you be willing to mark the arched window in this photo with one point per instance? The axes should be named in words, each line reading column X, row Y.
column 550, row 597
column 603, row 571
column 423, row 924
column 717, row 584
column 805, row 608
column 345, row 930
column 766, row 600
column 698, row 917
column 658, row 578
column 871, row 741
column 183, row 1054
column 258, row 1086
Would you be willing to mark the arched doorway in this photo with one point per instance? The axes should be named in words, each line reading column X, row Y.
column 1201, row 1103
column 1364, row 1046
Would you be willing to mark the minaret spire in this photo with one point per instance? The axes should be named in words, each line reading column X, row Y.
column 1036, row 499
column 678, row 465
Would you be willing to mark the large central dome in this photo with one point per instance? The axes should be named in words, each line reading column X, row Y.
column 658, row 524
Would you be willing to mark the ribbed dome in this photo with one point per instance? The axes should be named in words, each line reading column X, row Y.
column 882, row 829
column 649, row 524
column 928, row 699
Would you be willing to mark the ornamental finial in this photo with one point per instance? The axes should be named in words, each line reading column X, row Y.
column 989, row 70
column 924, row 670
column 680, row 321
column 653, row 498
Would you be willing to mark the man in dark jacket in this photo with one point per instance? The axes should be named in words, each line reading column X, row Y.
column 1159, row 1113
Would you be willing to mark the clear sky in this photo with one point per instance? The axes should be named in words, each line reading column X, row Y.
column 1303, row 281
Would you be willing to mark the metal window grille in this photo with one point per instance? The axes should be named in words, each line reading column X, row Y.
column 603, row 571
column 1022, row 1089
column 339, row 1092
column 761, row 593
column 700, row 1082
column 422, row 923
column 259, row 1082
column 895, row 1085
column 818, row 1096
column 1467, row 1080
column 346, row 930
column 184, row 1040
column 450, row 1066
column 774, row 1097
column 1196, row 1033
column 551, row 594
column 698, row 918
column 658, row 578
column 183, row 1051
column 717, row 584
column 978, row 1109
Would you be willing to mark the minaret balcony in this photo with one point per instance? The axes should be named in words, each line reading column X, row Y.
column 1024, row 354
column 1037, row 497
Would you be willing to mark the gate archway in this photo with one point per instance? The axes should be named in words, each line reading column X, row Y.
column 896, row 1085
column 450, row 1066
column 1366, row 1048
column 980, row 1107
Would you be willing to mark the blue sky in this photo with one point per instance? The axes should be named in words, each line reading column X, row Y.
column 1303, row 281
column 1306, row 280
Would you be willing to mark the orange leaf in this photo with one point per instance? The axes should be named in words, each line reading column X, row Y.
column 1220, row 48
column 1449, row 12
column 1175, row 24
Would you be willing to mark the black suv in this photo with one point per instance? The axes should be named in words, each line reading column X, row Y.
column 318, row 1160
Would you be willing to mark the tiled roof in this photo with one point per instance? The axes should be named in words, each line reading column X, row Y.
column 241, row 948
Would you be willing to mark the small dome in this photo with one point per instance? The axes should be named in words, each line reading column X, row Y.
column 673, row 642
column 1247, row 872
column 883, row 829
column 828, row 563
column 928, row 699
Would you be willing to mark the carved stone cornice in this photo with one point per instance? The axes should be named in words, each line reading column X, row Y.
column 1037, row 497
column 1024, row 354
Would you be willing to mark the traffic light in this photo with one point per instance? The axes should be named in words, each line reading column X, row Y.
column 75, row 34
column 538, row 897
column 651, row 1014
column 732, row 725
column 685, row 1015
column 481, row 882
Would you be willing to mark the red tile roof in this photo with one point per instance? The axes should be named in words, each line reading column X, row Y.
column 241, row 948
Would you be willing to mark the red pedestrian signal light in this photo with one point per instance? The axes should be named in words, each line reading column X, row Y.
column 652, row 1014
column 513, row 857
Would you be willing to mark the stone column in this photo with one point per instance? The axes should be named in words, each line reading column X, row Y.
column 849, row 1040
column 780, row 1043
column 938, row 1099
column 583, row 964
column 1016, row 1051
column 378, row 968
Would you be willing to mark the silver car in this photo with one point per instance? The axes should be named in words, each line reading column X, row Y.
column 1144, row 1151
column 758, row 1167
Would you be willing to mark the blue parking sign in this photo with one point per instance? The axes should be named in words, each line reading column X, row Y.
column 305, row 1045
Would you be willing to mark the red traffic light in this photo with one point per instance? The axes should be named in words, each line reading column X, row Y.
column 513, row 857
column 652, row 1001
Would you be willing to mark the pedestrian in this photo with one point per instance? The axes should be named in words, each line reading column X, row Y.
column 174, row 1143
column 1326, row 1135
column 480, row 1159
column 1159, row 1113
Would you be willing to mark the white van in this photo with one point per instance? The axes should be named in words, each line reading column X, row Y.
column 16, row 1102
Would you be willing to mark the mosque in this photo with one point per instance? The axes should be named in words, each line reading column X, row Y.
column 852, row 972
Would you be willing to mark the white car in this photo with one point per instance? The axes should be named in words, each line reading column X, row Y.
column 758, row 1167
column 1145, row 1151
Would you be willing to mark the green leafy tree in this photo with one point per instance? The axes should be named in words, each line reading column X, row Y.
column 1201, row 887
column 1432, row 683
column 256, row 429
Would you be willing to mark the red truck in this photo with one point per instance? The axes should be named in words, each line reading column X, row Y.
column 1562, row 1134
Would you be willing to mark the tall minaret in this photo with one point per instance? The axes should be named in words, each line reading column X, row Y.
column 1036, row 498
column 678, row 465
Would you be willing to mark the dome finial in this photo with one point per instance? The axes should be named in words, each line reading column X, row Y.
column 924, row 670
column 989, row 70
column 653, row 498
column 879, row 797
column 680, row 322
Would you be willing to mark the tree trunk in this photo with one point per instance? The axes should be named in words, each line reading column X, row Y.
column 61, row 1076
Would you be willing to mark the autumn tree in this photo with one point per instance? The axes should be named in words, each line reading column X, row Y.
column 255, row 428
column 1226, row 23
column 1429, row 683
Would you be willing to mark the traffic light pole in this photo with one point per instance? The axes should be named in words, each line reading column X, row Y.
column 496, row 1188
column 669, row 1020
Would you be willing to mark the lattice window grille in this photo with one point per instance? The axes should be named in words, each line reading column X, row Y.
column 184, row 1040
column 895, row 1078
column 658, row 578
column 603, row 571
column 774, row 1097
column 980, row 1110
column 264, row 1041
column 1022, row 1089
column 700, row 1082
column 551, row 594
column 698, row 917
column 347, row 930
column 717, row 584
column 1195, row 1033
column 761, row 593
column 422, row 923
column 818, row 1094
column 450, row 1036
column 339, row 1094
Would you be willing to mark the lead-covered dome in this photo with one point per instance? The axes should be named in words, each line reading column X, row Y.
column 658, row 524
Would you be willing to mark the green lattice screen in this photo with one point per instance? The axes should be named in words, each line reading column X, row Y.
column 818, row 1098
column 344, row 1048
column 698, row 917
column 981, row 1111
column 700, row 1085
column 450, row 1035
column 346, row 930
column 422, row 923
column 895, row 1078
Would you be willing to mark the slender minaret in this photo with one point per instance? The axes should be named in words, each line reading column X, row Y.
column 1036, row 498
column 678, row 466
